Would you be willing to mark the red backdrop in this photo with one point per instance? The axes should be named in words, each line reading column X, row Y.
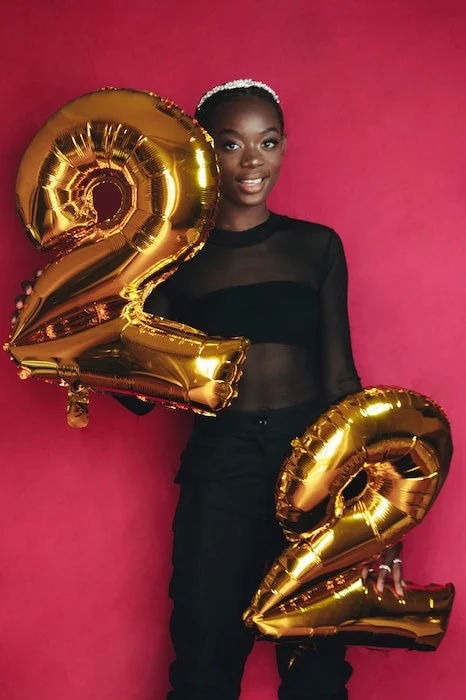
column 374, row 99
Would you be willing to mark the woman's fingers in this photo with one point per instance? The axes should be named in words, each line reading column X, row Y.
column 19, row 303
column 397, row 577
column 392, row 565
column 384, row 569
column 27, row 286
column 20, row 299
column 393, row 558
column 366, row 569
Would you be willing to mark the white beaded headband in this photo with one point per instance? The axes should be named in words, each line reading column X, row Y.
column 243, row 82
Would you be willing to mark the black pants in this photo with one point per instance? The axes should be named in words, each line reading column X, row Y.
column 225, row 536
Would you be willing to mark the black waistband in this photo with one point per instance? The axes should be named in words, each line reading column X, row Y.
column 311, row 408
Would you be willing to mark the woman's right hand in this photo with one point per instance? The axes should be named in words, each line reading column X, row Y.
column 21, row 298
column 137, row 405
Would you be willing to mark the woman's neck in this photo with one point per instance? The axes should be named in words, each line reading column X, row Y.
column 233, row 218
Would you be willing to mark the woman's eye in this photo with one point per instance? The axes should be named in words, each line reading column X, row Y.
column 232, row 146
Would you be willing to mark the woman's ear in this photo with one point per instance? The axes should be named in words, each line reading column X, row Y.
column 284, row 141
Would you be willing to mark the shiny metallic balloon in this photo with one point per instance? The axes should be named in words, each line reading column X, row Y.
column 83, row 325
column 395, row 446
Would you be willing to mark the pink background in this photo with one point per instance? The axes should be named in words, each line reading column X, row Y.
column 374, row 99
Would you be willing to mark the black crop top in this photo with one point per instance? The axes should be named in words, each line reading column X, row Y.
column 283, row 285
column 281, row 311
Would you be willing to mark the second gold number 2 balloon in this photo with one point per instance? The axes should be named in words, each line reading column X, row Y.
column 399, row 442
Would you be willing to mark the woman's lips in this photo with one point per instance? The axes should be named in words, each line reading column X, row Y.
column 251, row 185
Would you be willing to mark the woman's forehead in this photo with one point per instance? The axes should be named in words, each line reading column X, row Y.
column 245, row 113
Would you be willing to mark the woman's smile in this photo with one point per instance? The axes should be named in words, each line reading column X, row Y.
column 250, row 185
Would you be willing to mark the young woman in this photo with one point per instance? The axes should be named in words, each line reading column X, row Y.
column 281, row 282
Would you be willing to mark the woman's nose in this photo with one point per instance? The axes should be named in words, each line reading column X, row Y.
column 251, row 157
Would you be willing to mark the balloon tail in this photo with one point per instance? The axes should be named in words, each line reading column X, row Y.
column 77, row 409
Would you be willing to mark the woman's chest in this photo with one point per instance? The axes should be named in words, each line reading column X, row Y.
column 279, row 311
column 266, row 293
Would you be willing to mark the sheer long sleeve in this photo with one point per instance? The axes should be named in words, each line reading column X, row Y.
column 159, row 303
column 283, row 285
column 340, row 376
column 135, row 405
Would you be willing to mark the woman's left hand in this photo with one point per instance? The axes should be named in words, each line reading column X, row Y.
column 391, row 563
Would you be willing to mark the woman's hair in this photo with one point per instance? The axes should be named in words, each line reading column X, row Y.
column 205, row 111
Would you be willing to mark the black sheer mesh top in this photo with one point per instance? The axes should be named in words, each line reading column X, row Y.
column 283, row 285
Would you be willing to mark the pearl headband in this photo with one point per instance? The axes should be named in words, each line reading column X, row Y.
column 243, row 82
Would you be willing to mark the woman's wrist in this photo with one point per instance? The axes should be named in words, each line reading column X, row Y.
column 138, row 405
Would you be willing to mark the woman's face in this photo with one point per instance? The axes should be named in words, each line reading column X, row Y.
column 250, row 146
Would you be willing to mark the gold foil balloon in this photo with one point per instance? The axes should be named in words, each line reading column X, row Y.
column 83, row 325
column 364, row 474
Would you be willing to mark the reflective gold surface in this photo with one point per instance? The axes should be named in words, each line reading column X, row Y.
column 83, row 324
column 397, row 445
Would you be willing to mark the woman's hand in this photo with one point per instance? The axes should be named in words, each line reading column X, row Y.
column 21, row 298
column 391, row 563
column 133, row 402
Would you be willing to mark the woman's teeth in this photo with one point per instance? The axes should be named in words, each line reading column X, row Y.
column 253, row 182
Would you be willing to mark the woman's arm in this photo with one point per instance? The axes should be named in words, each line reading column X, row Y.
column 341, row 377
column 339, row 373
column 156, row 303
column 135, row 405
column 159, row 304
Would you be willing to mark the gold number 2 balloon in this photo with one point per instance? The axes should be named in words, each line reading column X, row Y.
column 395, row 447
column 83, row 325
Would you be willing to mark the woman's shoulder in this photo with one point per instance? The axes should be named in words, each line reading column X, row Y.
column 320, row 233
